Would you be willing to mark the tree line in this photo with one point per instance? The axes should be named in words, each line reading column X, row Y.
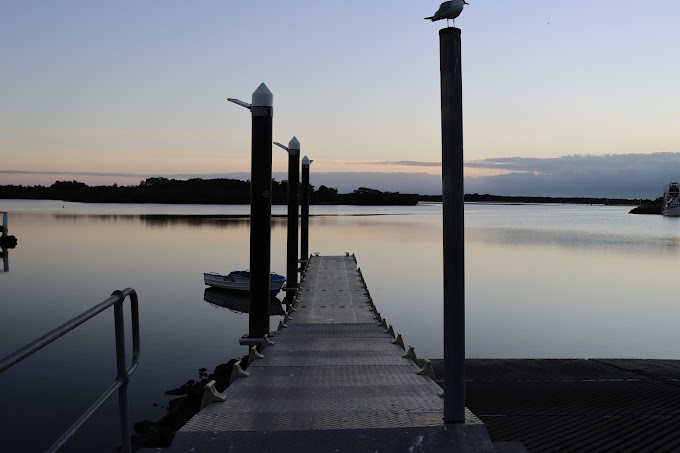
column 195, row 191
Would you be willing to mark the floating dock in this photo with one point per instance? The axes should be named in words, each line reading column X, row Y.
column 335, row 380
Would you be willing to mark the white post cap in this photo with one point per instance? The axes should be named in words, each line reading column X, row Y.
column 306, row 161
column 262, row 97
column 294, row 144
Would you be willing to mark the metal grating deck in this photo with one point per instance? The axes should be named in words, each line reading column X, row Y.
column 332, row 382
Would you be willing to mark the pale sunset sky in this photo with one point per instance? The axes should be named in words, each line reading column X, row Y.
column 560, row 98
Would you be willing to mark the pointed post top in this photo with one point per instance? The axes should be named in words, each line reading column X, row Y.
column 294, row 144
column 306, row 161
column 262, row 97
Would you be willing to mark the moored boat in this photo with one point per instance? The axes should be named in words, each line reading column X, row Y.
column 671, row 200
column 240, row 281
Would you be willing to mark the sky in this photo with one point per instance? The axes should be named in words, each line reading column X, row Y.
column 560, row 98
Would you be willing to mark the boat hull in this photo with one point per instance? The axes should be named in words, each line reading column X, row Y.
column 671, row 210
column 671, row 200
column 237, row 282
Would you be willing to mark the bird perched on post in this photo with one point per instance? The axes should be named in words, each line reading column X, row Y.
column 449, row 10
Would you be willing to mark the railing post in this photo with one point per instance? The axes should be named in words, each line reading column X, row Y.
column 453, row 225
column 304, row 200
column 122, row 375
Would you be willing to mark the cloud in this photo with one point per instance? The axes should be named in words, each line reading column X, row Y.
column 632, row 175
column 611, row 175
column 403, row 163
column 82, row 173
column 583, row 161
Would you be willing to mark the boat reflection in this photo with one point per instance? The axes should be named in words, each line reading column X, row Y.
column 237, row 301
column 6, row 242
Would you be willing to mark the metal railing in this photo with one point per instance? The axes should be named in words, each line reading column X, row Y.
column 123, row 374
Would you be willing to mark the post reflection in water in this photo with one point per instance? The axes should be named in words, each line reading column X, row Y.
column 5, row 260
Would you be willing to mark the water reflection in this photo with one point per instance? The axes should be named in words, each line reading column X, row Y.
column 171, row 220
column 238, row 302
column 576, row 240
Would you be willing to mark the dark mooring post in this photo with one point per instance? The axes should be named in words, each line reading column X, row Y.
column 293, row 149
column 5, row 221
column 453, row 224
column 304, row 223
column 293, row 203
column 260, row 212
column 262, row 110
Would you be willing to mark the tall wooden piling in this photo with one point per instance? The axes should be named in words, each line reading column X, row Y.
column 293, row 203
column 304, row 200
column 453, row 225
column 260, row 212
column 5, row 222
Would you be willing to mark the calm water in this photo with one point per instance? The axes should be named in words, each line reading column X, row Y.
column 541, row 281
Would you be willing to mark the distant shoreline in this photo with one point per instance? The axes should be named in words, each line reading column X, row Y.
column 486, row 198
column 641, row 206
column 237, row 192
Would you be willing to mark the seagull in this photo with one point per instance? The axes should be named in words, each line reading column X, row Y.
column 449, row 10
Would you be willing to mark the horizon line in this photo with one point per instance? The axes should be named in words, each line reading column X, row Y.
column 175, row 175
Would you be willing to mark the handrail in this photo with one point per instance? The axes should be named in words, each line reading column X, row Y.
column 123, row 373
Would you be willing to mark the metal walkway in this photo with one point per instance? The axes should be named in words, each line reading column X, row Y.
column 332, row 382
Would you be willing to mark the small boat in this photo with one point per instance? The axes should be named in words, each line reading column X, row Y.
column 671, row 200
column 240, row 281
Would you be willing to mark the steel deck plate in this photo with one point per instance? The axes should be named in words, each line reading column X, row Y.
column 325, row 331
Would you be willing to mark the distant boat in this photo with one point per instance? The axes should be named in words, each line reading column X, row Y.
column 240, row 281
column 671, row 200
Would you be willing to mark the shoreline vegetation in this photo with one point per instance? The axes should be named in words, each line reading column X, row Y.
column 234, row 191
column 649, row 207
column 196, row 191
